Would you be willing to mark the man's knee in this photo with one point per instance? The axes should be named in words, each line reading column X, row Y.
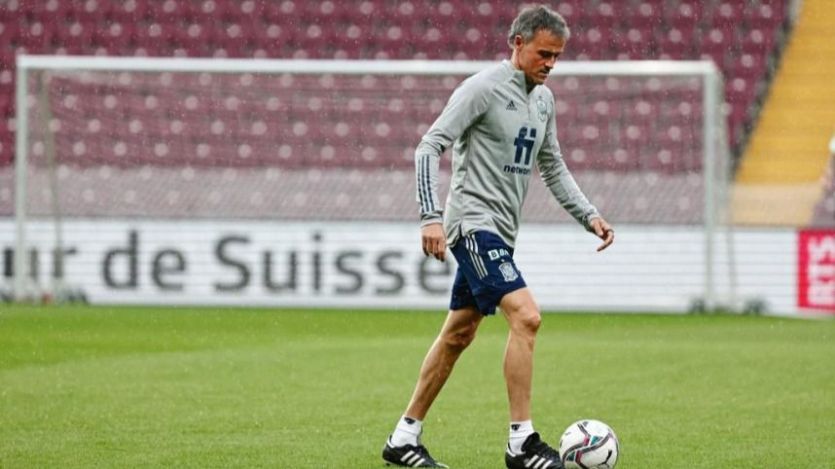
column 460, row 338
column 526, row 319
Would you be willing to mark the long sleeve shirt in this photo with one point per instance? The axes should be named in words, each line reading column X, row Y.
column 497, row 131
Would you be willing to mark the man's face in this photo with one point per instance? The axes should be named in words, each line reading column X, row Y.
column 537, row 57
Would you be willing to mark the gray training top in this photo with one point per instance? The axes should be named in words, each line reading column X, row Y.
column 499, row 130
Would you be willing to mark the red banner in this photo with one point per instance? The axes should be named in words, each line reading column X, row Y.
column 816, row 269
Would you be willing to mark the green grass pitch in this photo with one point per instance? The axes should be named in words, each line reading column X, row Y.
column 211, row 387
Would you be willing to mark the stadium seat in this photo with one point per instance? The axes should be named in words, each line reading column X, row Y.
column 763, row 15
column 751, row 67
column 682, row 14
column 116, row 38
column 165, row 11
column 602, row 16
column 638, row 43
column 757, row 42
column 570, row 10
column 127, row 12
column 645, row 14
column 726, row 15
column 76, row 36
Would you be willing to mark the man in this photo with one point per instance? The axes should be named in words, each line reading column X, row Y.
column 501, row 121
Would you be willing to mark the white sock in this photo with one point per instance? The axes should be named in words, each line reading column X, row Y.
column 407, row 432
column 519, row 432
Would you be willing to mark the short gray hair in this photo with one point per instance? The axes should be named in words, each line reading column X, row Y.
column 532, row 19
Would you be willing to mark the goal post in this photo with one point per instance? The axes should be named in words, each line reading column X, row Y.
column 107, row 138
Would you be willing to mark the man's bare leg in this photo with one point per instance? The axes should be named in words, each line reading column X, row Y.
column 456, row 334
column 523, row 317
column 524, row 444
column 403, row 447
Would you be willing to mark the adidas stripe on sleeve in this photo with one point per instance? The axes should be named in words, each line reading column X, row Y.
column 465, row 105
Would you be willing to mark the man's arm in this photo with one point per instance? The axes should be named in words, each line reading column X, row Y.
column 559, row 180
column 467, row 103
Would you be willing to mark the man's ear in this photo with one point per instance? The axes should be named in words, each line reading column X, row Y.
column 518, row 41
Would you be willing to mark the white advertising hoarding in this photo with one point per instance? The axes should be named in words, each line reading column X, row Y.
column 649, row 268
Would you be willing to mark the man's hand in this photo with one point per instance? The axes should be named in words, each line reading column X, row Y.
column 603, row 231
column 434, row 241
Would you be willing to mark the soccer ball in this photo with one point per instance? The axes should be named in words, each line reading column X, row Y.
column 589, row 444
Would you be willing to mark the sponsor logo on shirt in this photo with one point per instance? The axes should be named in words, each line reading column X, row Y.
column 516, row 170
column 524, row 143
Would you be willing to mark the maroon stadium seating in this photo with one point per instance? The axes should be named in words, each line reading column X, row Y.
column 743, row 39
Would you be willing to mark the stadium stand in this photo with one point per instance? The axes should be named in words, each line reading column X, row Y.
column 743, row 39
column 778, row 182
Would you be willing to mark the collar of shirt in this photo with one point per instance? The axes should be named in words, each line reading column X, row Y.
column 518, row 76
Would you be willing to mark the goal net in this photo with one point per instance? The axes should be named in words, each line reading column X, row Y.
column 188, row 142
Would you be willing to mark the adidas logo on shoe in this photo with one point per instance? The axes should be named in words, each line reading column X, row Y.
column 409, row 456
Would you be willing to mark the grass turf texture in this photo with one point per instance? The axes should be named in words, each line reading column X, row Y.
column 176, row 387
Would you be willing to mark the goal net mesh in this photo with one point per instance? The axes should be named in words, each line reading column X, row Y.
column 303, row 146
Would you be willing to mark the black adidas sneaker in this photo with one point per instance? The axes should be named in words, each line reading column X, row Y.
column 409, row 456
column 535, row 454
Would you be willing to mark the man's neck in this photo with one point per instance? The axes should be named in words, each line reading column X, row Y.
column 528, row 85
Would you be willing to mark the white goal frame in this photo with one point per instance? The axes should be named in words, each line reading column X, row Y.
column 714, row 138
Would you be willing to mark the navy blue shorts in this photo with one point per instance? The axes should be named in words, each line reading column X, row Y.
column 486, row 272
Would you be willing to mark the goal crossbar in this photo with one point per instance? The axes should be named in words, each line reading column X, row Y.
column 351, row 67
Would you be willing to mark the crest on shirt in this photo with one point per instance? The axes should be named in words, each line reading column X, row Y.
column 541, row 109
column 508, row 272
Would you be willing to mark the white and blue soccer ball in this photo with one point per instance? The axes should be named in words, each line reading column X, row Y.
column 589, row 444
